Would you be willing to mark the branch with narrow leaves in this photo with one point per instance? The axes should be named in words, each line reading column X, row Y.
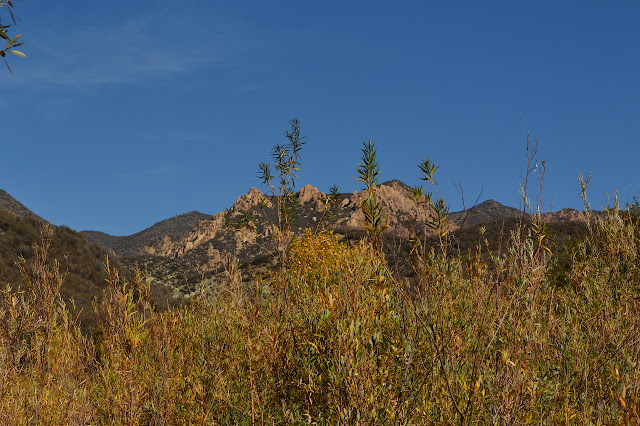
column 286, row 162
column 12, row 42
column 333, row 198
column 369, row 171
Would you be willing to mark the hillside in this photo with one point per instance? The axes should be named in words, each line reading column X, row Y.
column 486, row 211
column 7, row 202
column 81, row 262
column 171, row 229
column 178, row 236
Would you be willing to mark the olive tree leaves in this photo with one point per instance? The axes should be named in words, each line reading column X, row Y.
column 12, row 42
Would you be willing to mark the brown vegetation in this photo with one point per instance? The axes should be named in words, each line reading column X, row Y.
column 495, row 323
column 337, row 337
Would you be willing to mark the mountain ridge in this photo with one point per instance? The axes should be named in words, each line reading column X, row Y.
column 186, row 250
column 182, row 224
column 245, row 229
column 7, row 202
column 128, row 245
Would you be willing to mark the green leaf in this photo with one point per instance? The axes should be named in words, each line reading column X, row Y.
column 18, row 53
column 13, row 41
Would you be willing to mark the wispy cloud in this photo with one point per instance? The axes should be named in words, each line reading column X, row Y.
column 138, row 50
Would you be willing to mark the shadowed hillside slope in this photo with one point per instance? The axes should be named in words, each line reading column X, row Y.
column 165, row 231
column 486, row 211
column 81, row 262
column 7, row 202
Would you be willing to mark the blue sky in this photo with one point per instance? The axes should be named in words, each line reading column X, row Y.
column 128, row 113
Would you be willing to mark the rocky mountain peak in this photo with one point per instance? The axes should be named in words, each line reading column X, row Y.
column 310, row 193
column 397, row 185
column 251, row 199
column 490, row 203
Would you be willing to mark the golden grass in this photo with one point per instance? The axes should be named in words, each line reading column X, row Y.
column 337, row 338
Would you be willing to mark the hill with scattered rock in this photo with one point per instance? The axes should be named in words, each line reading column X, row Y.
column 486, row 211
column 183, row 254
column 164, row 232
column 204, row 244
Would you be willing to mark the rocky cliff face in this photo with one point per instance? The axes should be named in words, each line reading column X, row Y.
column 245, row 229
column 566, row 215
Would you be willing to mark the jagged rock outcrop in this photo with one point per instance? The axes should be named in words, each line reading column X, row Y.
column 310, row 193
column 251, row 199
column 205, row 231
column 565, row 215
column 400, row 212
column 246, row 229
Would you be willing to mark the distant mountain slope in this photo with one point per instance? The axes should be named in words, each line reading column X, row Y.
column 7, row 202
column 171, row 229
column 245, row 229
column 486, row 211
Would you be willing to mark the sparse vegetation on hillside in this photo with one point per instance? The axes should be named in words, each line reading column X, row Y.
column 522, row 331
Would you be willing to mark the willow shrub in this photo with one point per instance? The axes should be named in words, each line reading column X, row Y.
column 336, row 338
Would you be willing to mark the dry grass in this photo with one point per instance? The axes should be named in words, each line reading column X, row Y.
column 335, row 338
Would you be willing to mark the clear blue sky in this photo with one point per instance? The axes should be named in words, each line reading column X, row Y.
column 126, row 113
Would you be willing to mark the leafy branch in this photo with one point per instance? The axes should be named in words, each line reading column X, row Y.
column 369, row 171
column 437, row 219
column 286, row 161
column 12, row 42
column 328, row 214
